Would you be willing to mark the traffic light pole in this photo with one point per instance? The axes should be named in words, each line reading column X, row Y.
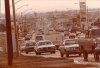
column 9, row 33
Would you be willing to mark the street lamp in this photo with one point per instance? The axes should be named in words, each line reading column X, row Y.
column 18, row 1
column 16, row 27
column 24, row 11
column 28, row 13
column 16, row 31
column 21, row 7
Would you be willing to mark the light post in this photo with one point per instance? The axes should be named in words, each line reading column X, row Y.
column 15, row 25
column 21, row 7
column 25, row 13
column 18, row 1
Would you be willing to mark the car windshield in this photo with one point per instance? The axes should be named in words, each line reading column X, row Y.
column 45, row 43
column 32, row 43
column 69, row 42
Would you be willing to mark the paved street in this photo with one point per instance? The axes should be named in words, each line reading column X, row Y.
column 1, row 49
column 78, row 60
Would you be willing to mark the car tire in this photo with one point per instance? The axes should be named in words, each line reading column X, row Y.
column 67, row 55
column 80, row 54
column 62, row 55
column 53, row 52
column 22, row 50
column 26, row 52
column 37, row 53
column 96, row 57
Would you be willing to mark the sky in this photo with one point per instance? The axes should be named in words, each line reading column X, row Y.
column 50, row 5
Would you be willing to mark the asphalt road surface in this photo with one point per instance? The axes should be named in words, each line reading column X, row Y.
column 76, row 58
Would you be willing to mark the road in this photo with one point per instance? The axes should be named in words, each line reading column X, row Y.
column 77, row 59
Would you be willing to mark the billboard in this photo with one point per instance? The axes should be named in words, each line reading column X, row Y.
column 83, row 10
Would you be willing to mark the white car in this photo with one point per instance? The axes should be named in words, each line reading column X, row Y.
column 70, row 46
column 44, row 47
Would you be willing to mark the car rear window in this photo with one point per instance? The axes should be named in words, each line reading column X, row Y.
column 68, row 42
column 39, row 38
column 44, row 43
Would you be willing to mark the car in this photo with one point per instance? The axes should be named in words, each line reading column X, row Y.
column 28, row 37
column 39, row 38
column 70, row 46
column 81, row 35
column 97, row 51
column 28, row 46
column 44, row 46
column 72, row 35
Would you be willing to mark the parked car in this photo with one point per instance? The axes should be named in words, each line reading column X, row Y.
column 44, row 46
column 28, row 46
column 70, row 46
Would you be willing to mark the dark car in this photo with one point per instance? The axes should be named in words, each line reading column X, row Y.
column 28, row 37
column 39, row 38
column 28, row 47
column 97, row 52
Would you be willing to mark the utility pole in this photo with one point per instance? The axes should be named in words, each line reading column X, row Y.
column 0, row 8
column 16, row 29
column 9, row 33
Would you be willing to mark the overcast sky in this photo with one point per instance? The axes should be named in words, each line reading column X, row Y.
column 51, row 5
